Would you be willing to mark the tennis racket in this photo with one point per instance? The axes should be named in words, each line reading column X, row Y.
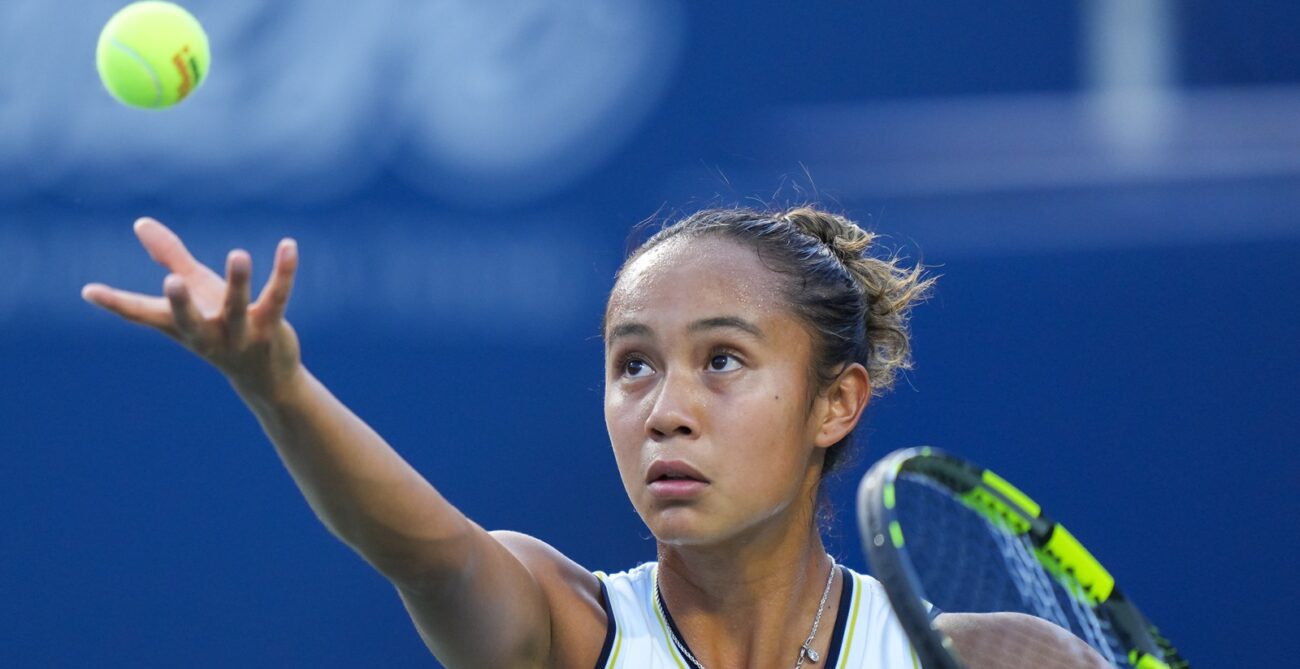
column 941, row 530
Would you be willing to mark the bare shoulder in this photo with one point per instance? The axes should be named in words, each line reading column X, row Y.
column 1015, row 640
column 578, row 621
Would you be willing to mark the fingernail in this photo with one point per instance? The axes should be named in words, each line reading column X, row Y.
column 85, row 293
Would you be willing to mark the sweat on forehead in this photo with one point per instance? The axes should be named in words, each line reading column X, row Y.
column 708, row 273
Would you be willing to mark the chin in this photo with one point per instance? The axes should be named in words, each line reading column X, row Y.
column 678, row 526
column 686, row 526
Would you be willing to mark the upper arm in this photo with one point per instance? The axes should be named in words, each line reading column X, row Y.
column 513, row 605
column 573, row 599
column 1015, row 641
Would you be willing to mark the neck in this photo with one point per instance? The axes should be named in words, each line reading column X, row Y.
column 750, row 603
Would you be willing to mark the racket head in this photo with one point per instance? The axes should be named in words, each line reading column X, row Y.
column 890, row 563
column 939, row 529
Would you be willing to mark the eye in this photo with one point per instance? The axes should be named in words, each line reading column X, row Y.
column 636, row 368
column 723, row 362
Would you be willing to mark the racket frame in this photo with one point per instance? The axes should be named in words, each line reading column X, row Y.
column 986, row 493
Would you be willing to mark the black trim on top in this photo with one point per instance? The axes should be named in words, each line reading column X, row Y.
column 611, row 629
column 847, row 587
column 841, row 618
column 668, row 617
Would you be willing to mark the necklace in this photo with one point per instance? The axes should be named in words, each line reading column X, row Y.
column 806, row 651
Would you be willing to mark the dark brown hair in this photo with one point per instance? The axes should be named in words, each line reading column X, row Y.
column 854, row 303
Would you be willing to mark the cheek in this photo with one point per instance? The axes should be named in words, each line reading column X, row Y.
column 620, row 415
column 770, row 431
column 624, row 430
column 776, row 409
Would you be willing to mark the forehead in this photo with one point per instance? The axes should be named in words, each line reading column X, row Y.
column 687, row 278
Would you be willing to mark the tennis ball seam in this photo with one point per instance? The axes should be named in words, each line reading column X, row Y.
column 153, row 75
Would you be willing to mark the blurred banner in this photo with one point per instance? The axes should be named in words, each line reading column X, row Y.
column 478, row 102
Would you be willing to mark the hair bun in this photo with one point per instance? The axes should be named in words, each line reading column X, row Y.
column 843, row 237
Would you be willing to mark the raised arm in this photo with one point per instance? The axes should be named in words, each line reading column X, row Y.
column 478, row 599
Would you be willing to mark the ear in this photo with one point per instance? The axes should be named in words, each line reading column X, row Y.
column 841, row 405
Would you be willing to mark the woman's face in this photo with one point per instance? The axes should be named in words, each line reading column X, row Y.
column 707, row 393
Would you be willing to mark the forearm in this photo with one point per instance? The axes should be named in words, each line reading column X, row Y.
column 460, row 583
column 359, row 487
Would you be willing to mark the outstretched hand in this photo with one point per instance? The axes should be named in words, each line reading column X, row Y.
column 251, row 344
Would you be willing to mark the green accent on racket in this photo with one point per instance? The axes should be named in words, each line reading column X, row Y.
column 978, row 544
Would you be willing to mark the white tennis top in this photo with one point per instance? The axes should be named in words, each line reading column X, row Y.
column 866, row 633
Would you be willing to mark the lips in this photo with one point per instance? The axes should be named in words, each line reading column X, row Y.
column 673, row 470
column 675, row 482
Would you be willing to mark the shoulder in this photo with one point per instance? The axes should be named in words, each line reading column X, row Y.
column 550, row 567
column 573, row 596
column 981, row 638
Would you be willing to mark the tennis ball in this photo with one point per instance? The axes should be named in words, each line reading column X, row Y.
column 152, row 54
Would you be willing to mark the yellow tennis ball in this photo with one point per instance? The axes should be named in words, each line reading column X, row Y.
column 152, row 54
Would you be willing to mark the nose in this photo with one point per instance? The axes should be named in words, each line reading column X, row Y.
column 675, row 412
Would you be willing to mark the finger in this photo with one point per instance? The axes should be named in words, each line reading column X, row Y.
column 274, row 297
column 135, row 307
column 239, row 269
column 185, row 316
column 167, row 249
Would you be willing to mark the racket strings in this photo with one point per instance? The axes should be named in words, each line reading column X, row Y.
column 1036, row 588
column 967, row 562
column 1096, row 631
column 1040, row 591
column 950, row 550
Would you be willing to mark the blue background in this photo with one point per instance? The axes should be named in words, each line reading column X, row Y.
column 1115, row 329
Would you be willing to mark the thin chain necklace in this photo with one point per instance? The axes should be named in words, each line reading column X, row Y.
column 806, row 651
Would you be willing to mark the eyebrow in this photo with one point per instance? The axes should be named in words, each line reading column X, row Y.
column 725, row 322
column 702, row 325
column 628, row 330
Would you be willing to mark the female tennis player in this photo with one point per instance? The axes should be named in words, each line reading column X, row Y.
column 741, row 349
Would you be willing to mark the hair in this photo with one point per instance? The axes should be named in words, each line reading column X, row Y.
column 854, row 304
